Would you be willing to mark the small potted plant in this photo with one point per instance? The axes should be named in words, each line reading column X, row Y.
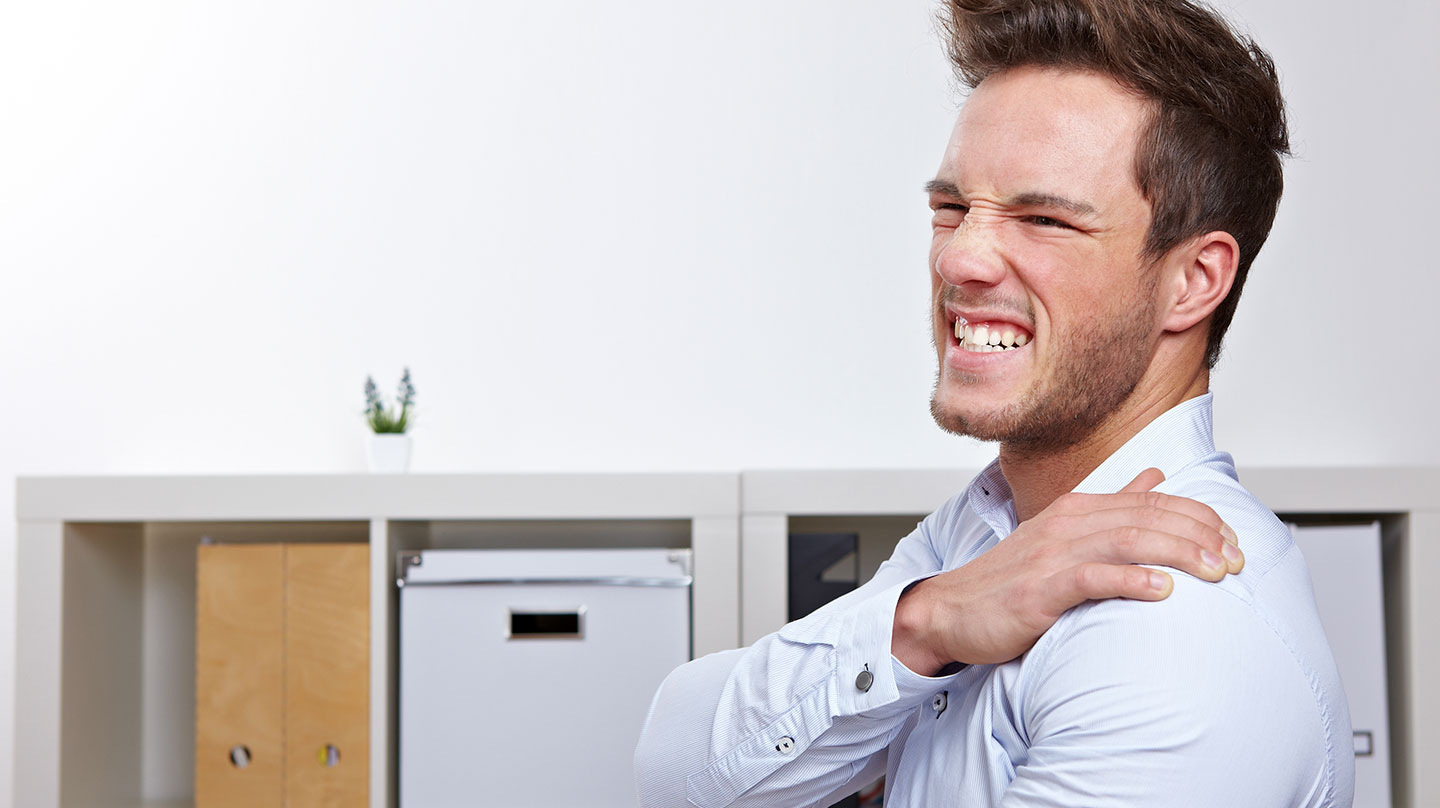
column 388, row 450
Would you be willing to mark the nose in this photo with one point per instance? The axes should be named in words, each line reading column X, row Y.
column 972, row 255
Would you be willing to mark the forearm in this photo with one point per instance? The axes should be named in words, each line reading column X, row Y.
column 788, row 721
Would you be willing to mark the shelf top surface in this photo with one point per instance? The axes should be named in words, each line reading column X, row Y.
column 262, row 497
column 686, row 495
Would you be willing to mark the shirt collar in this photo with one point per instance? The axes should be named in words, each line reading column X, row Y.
column 1178, row 438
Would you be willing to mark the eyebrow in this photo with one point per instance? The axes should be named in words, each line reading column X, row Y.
column 1028, row 199
column 942, row 187
column 1040, row 200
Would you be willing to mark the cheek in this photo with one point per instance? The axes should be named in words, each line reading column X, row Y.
column 1072, row 314
column 1066, row 295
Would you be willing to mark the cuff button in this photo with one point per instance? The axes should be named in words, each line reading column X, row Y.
column 864, row 680
column 786, row 745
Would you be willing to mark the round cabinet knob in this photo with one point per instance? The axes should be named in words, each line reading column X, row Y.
column 239, row 756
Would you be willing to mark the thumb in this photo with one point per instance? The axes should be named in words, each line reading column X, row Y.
column 1144, row 481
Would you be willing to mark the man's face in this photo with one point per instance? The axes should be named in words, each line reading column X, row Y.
column 1038, row 231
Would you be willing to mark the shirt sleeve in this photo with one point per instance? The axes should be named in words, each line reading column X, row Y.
column 1191, row 701
column 803, row 715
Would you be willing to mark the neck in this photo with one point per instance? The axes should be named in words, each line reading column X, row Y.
column 1037, row 477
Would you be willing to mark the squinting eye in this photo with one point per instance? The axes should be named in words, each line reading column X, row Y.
column 1046, row 221
column 949, row 215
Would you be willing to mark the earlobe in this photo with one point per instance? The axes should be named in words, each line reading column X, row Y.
column 1203, row 274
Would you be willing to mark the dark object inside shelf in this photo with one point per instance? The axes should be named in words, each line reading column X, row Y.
column 823, row 566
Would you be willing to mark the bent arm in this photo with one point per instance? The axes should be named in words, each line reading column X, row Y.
column 790, row 720
column 672, row 746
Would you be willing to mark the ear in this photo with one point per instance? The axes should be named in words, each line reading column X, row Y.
column 1199, row 275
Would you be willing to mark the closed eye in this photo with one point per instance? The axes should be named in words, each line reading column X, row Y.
column 948, row 215
column 1046, row 221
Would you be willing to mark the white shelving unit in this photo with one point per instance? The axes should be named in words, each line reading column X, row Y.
column 105, row 612
column 106, row 595
column 1406, row 501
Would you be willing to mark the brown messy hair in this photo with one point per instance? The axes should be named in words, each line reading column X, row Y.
column 1209, row 157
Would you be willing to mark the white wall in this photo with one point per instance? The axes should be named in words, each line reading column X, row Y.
column 630, row 236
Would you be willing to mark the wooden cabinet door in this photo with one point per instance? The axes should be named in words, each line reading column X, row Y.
column 282, row 680
column 327, row 676
column 239, row 676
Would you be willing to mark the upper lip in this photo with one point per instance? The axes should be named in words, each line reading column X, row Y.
column 979, row 316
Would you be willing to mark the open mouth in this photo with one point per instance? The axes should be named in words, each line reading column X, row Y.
column 990, row 336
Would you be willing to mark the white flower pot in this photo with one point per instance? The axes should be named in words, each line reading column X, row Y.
column 388, row 453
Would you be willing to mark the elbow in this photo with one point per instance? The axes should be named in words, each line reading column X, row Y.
column 660, row 773
column 675, row 740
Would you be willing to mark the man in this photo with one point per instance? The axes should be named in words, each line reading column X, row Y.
column 1106, row 187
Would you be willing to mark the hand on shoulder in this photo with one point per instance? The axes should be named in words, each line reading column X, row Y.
column 1082, row 547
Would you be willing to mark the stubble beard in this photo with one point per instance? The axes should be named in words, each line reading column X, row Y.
column 1096, row 371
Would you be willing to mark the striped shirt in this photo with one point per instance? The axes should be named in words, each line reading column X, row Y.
column 1221, row 695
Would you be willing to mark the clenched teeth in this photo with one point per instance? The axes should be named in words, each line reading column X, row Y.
column 984, row 339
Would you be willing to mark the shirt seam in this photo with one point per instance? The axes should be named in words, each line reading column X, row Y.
column 1326, row 720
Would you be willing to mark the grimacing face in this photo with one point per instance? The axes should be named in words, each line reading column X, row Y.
column 1036, row 255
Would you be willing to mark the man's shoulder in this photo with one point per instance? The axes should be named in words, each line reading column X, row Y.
column 1198, row 623
column 1211, row 656
column 1268, row 609
column 1265, row 539
column 1270, row 599
column 1204, row 674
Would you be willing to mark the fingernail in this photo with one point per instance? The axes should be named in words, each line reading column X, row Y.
column 1211, row 560
column 1158, row 581
column 1234, row 556
column 1229, row 534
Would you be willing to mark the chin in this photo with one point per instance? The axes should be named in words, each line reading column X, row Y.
column 1032, row 422
column 995, row 424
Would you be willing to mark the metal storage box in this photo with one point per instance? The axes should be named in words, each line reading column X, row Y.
column 525, row 675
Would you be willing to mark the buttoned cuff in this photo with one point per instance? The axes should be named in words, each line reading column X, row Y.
column 914, row 687
column 863, row 680
column 864, row 648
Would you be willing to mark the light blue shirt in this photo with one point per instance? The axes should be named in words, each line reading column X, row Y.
column 1221, row 695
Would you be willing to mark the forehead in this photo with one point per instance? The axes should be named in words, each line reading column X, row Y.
column 1047, row 130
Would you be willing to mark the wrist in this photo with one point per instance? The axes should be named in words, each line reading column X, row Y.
column 911, row 636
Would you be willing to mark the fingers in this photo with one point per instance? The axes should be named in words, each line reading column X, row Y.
column 1095, row 581
column 1144, row 481
column 1158, row 536
column 1128, row 544
column 1072, row 504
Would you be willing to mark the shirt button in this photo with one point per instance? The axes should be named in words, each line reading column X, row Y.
column 786, row 745
column 940, row 702
column 864, row 680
